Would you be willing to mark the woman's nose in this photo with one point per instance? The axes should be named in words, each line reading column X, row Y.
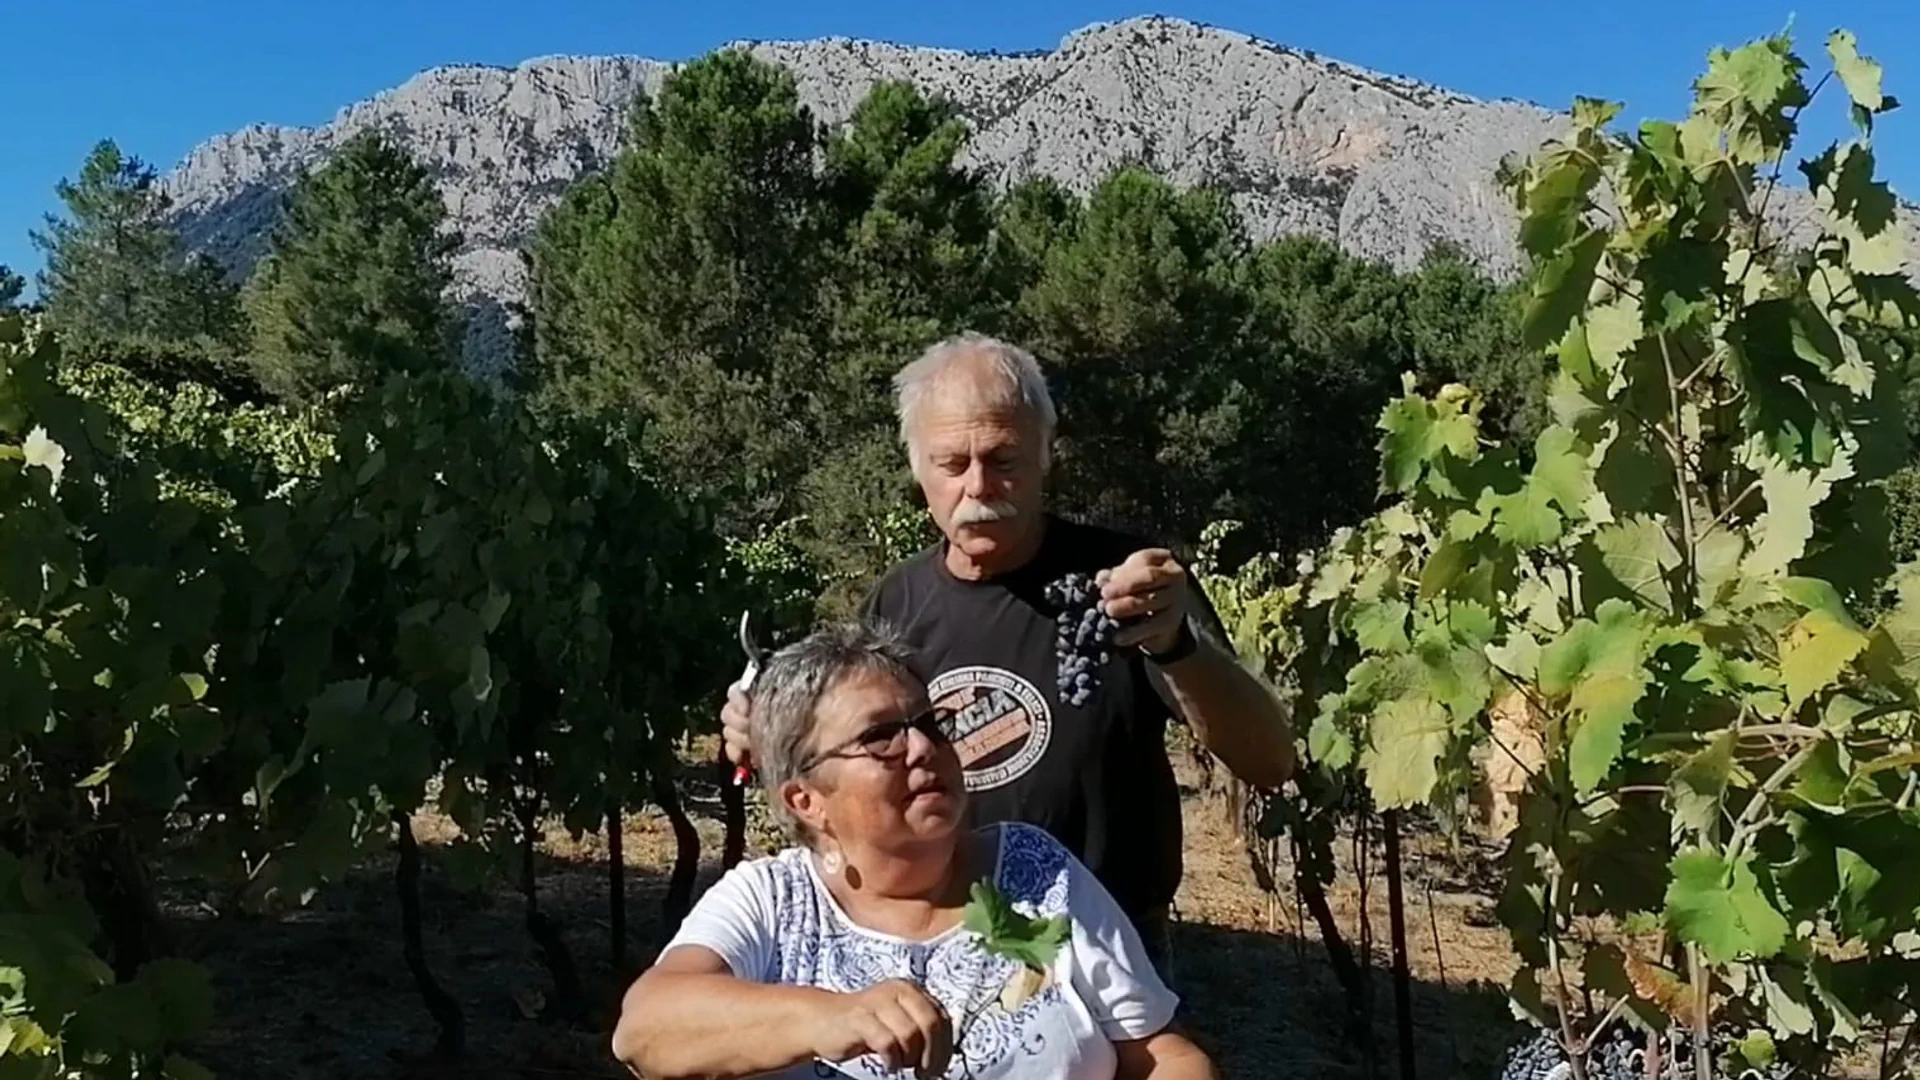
column 920, row 747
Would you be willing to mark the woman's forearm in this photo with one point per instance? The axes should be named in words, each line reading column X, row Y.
column 1166, row 1056
column 675, row 1024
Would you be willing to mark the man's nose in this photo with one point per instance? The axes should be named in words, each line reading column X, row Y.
column 979, row 482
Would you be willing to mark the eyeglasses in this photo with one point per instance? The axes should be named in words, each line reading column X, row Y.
column 887, row 741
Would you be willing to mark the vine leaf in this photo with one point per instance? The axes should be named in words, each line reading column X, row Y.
column 1406, row 739
column 1861, row 76
column 1719, row 907
column 1894, row 648
column 1560, row 292
column 1638, row 554
column 1005, row 932
column 1599, row 666
column 1786, row 1014
column 1381, row 627
column 1417, row 432
column 1787, row 524
column 1699, row 785
column 1612, row 331
column 1815, row 649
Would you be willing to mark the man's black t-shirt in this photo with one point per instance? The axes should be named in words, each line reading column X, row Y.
column 1097, row 776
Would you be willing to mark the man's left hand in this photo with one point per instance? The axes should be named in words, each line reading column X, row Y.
column 1151, row 587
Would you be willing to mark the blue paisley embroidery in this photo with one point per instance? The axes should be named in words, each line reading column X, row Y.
column 816, row 948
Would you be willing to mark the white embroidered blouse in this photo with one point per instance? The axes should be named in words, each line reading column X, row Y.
column 773, row 921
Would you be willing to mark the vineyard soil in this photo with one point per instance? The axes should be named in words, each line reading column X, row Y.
column 325, row 993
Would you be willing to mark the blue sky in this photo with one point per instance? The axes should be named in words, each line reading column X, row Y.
column 159, row 77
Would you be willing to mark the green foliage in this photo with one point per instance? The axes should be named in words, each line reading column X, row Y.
column 105, row 621
column 1005, row 932
column 354, row 285
column 1681, row 580
column 258, row 635
column 11, row 286
column 116, row 276
column 204, row 445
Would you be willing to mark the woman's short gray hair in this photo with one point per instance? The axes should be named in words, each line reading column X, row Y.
column 1022, row 385
column 787, row 693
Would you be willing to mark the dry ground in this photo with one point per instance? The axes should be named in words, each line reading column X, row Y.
column 325, row 993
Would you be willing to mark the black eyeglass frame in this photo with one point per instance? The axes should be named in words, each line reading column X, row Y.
column 933, row 722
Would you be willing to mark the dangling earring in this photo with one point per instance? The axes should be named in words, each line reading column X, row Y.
column 830, row 861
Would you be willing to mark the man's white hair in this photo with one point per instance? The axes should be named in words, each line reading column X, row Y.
column 1020, row 386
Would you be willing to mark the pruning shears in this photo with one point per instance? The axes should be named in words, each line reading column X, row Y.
column 745, row 682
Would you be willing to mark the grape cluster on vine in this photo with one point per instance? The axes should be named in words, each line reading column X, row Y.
column 1083, row 637
column 1622, row 1055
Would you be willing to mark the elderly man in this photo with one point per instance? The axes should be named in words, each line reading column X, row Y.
column 978, row 422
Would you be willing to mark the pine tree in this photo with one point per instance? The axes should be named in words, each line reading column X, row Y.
column 355, row 281
column 117, row 278
column 682, row 285
column 11, row 286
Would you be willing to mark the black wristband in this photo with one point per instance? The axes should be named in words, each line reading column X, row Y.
column 1183, row 647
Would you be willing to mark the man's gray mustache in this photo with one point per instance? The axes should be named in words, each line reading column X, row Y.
column 975, row 513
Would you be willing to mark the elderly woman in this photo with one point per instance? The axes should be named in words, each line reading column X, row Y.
column 845, row 954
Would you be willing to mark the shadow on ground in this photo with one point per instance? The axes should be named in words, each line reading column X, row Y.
column 1267, row 1005
column 325, row 993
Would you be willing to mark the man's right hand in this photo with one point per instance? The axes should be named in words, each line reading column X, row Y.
column 734, row 736
column 894, row 1020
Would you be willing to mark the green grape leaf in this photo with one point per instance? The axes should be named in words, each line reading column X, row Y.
column 1518, row 655
column 1560, row 290
column 1639, row 554
column 1444, row 567
column 1328, row 743
column 1756, row 1049
column 1561, row 470
column 1787, row 1014
column 1554, row 203
column 1716, row 560
column 494, row 608
column 1417, row 433
column 1756, row 75
column 1601, row 665
column 1787, row 523
column 1381, row 627
column 1822, row 780
column 1700, row 783
column 1860, row 75
column 1005, row 932
column 1720, row 908
column 1526, row 518
column 1613, row 328
column 1405, row 741
column 1830, row 986
column 1814, row 651
column 1893, row 649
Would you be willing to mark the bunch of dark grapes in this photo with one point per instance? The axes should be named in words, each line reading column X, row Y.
column 1083, row 637
column 1621, row 1055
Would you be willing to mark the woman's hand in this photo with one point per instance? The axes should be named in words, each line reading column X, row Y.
column 895, row 1020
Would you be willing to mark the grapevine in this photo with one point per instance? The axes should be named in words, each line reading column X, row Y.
column 1681, row 586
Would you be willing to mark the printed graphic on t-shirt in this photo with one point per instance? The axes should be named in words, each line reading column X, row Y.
column 1001, row 723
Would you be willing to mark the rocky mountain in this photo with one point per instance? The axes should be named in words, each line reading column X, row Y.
column 1385, row 166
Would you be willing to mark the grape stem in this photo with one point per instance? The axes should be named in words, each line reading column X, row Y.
column 1613, row 1013
column 1575, row 1050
